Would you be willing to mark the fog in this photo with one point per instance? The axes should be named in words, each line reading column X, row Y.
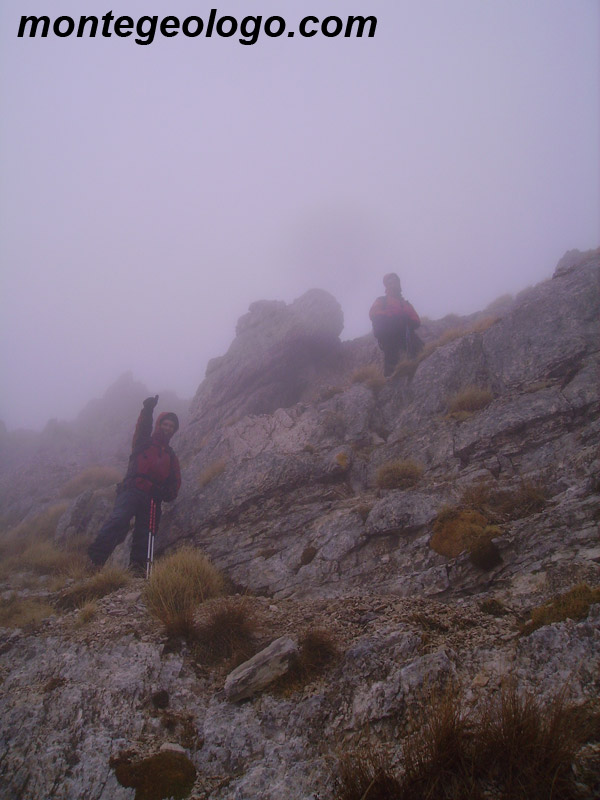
column 150, row 193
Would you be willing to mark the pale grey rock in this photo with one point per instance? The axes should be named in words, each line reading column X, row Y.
column 85, row 515
column 262, row 669
column 277, row 350
column 402, row 512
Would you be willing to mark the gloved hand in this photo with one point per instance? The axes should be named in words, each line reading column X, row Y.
column 151, row 402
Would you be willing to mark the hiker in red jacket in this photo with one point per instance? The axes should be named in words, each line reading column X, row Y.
column 394, row 322
column 153, row 475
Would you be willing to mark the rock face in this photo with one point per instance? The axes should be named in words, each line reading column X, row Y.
column 278, row 349
column 282, row 490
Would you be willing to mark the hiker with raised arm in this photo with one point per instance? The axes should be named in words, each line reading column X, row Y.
column 153, row 476
column 394, row 324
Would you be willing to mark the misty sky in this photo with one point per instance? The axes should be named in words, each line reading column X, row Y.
column 149, row 194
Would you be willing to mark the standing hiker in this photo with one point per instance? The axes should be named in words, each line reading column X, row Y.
column 152, row 476
column 394, row 322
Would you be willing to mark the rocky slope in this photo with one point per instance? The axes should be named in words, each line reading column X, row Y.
column 282, row 489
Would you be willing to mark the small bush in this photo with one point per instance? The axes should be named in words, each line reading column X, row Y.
column 100, row 584
column 178, row 584
column 456, row 530
column 469, row 400
column 211, row 472
column 23, row 612
column 370, row 375
column 574, row 604
column 228, row 632
column 91, row 478
column 398, row 475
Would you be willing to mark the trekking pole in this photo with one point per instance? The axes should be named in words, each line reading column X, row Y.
column 151, row 530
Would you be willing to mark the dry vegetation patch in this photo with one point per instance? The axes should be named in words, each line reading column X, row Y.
column 501, row 505
column 29, row 547
column 514, row 747
column 469, row 400
column 317, row 651
column 398, row 474
column 178, row 584
column 370, row 375
column 100, row 584
column 227, row 631
column 21, row 612
column 456, row 530
column 91, row 478
column 574, row 604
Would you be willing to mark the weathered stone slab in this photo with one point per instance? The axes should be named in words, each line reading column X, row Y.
column 262, row 669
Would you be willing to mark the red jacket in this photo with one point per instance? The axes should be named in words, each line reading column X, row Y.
column 394, row 307
column 153, row 466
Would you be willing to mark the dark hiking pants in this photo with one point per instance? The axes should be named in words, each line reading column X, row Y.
column 129, row 503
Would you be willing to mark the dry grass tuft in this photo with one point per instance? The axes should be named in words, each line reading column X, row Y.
column 502, row 505
column 228, row 632
column 574, row 604
column 468, row 401
column 483, row 324
column 100, row 584
column 366, row 775
column 29, row 547
column 398, row 474
column 23, row 612
column 370, row 375
column 178, row 584
column 342, row 460
column 514, row 748
column 211, row 472
column 87, row 614
column 318, row 650
column 456, row 530
column 528, row 747
column 91, row 478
